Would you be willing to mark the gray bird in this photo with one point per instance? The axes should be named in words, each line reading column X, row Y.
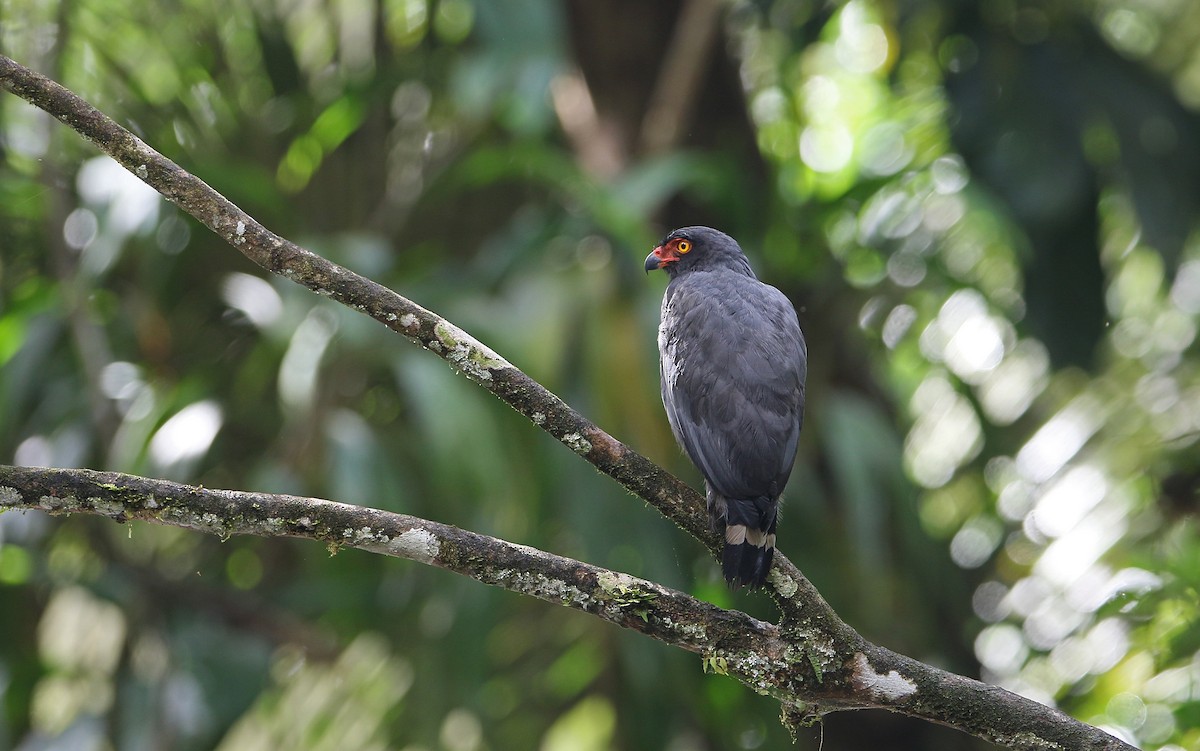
column 732, row 363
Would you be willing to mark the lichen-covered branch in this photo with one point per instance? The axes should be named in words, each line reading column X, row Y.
column 730, row 639
column 810, row 669
column 681, row 504
column 813, row 662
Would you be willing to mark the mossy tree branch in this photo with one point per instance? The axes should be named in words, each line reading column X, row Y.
column 812, row 661
column 811, row 670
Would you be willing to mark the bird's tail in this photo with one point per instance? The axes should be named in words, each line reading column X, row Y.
column 749, row 531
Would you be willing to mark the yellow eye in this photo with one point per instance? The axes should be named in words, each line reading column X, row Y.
column 684, row 246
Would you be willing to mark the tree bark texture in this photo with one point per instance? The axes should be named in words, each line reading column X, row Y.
column 812, row 661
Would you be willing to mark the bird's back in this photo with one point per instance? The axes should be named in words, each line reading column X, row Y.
column 733, row 369
column 733, row 364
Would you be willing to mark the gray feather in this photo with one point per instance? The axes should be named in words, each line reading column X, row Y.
column 733, row 368
column 733, row 365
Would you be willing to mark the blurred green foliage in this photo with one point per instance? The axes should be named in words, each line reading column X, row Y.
column 985, row 213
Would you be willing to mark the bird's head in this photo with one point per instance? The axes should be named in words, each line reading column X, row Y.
column 697, row 248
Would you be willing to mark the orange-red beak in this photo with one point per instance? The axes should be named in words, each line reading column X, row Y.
column 660, row 257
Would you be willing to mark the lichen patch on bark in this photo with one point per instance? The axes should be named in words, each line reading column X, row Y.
column 887, row 687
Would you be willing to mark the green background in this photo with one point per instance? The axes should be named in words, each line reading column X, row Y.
column 984, row 212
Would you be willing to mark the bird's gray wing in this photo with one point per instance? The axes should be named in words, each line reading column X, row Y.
column 733, row 368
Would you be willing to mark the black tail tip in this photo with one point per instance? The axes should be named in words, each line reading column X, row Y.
column 746, row 565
